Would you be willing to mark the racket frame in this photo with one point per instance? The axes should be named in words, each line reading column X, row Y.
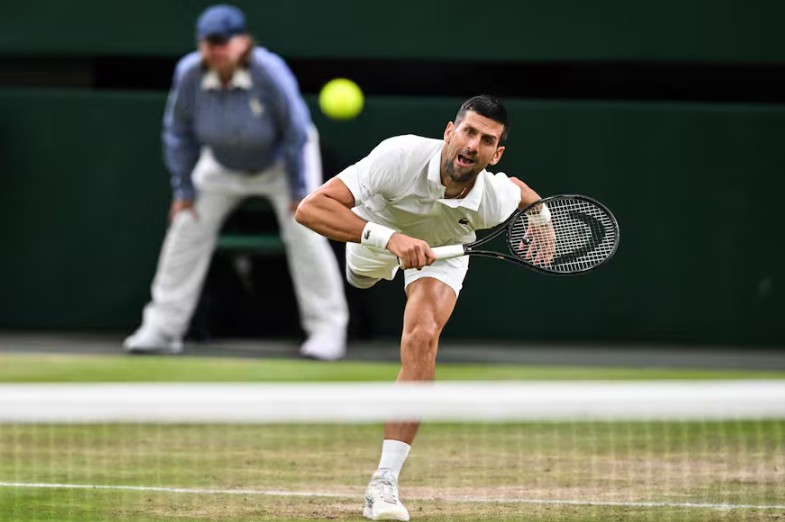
column 471, row 248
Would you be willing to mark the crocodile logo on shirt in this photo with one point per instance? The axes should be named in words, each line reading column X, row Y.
column 367, row 234
column 463, row 221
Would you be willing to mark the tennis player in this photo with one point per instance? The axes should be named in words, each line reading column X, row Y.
column 409, row 194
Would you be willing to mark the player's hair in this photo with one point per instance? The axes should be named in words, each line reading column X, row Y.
column 488, row 106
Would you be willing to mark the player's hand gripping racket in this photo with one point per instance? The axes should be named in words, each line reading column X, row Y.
column 582, row 234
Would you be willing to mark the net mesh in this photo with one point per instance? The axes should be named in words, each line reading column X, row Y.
column 586, row 235
column 647, row 451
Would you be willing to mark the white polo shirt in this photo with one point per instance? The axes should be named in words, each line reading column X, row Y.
column 398, row 185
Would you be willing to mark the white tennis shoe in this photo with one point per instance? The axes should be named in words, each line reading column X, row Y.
column 381, row 498
column 326, row 345
column 149, row 340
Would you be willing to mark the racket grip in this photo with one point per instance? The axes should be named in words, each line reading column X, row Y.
column 446, row 252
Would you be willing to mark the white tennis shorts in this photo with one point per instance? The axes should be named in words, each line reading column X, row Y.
column 366, row 266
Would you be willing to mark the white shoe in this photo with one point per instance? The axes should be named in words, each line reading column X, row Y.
column 381, row 498
column 152, row 341
column 327, row 346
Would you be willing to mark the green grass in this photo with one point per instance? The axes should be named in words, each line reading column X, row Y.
column 148, row 507
column 18, row 368
column 676, row 462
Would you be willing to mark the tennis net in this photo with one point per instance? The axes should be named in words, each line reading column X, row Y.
column 666, row 450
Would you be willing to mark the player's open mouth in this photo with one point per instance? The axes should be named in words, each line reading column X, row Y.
column 464, row 161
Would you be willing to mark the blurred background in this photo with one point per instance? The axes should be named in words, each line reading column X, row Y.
column 671, row 113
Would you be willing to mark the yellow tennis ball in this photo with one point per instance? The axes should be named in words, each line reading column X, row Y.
column 341, row 99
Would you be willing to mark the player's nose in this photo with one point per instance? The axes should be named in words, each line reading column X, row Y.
column 472, row 146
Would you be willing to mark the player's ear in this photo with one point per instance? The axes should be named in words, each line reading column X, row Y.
column 448, row 131
column 497, row 155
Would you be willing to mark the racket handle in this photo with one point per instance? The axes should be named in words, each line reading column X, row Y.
column 446, row 252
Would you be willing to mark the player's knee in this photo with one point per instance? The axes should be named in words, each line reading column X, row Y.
column 423, row 334
column 359, row 281
column 419, row 345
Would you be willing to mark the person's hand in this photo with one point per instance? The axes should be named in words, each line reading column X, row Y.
column 411, row 252
column 541, row 244
column 178, row 205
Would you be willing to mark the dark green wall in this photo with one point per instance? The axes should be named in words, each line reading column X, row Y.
column 83, row 195
column 83, row 198
column 697, row 30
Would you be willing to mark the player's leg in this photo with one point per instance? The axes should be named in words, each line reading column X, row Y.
column 182, row 264
column 429, row 304
column 431, row 296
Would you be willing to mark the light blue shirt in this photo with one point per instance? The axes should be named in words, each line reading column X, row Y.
column 248, row 127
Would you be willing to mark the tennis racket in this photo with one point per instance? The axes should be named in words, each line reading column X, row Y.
column 581, row 235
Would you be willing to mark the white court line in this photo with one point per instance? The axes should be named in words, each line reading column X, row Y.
column 478, row 500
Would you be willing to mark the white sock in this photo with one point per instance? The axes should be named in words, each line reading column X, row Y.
column 394, row 453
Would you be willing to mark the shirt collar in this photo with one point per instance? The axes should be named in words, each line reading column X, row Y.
column 471, row 201
column 241, row 79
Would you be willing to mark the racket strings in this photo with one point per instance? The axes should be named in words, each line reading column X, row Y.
column 586, row 235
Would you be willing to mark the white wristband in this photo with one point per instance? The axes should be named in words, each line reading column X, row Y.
column 542, row 218
column 375, row 235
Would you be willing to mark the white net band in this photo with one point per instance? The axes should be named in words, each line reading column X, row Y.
column 372, row 402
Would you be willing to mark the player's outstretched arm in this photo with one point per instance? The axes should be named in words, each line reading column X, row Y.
column 327, row 210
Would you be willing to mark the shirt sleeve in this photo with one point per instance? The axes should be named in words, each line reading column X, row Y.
column 378, row 175
column 507, row 197
column 293, row 119
column 181, row 149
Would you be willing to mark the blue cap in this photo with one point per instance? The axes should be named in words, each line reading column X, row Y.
column 220, row 22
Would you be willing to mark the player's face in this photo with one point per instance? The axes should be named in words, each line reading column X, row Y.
column 225, row 55
column 470, row 146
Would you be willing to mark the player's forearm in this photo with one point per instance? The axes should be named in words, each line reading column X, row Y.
column 330, row 218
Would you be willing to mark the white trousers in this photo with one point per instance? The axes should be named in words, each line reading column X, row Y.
column 191, row 237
